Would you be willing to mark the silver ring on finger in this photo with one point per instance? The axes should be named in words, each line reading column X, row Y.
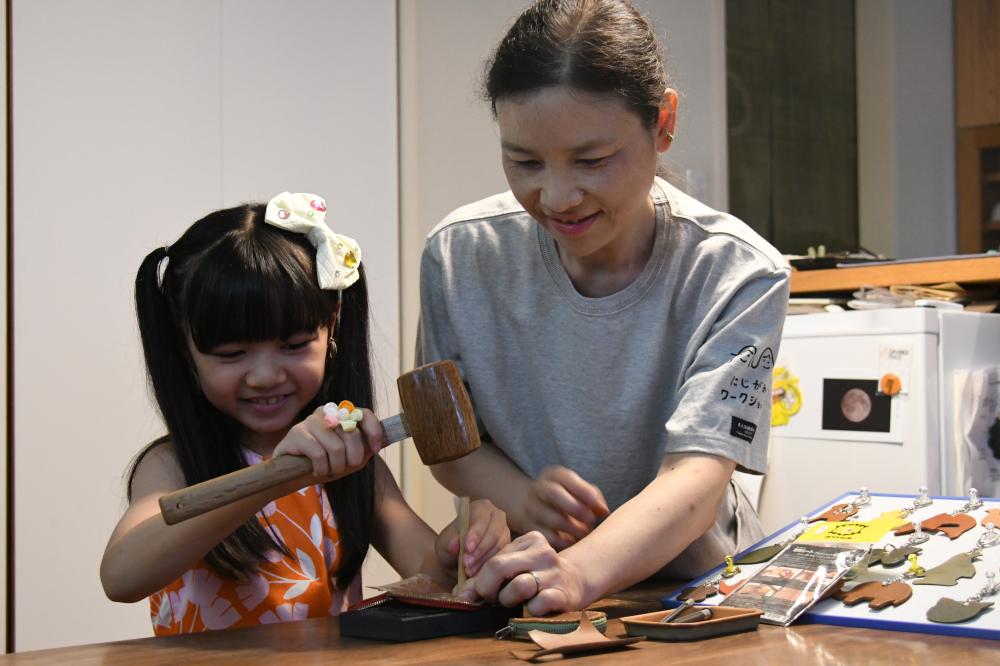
column 538, row 584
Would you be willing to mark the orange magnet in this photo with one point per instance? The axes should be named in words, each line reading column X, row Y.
column 889, row 384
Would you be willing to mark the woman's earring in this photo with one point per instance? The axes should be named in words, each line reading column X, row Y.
column 331, row 349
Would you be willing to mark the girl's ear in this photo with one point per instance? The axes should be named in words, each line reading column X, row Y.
column 666, row 120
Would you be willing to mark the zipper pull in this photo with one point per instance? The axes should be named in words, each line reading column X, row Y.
column 505, row 632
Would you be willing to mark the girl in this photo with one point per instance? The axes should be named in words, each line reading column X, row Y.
column 250, row 322
column 616, row 335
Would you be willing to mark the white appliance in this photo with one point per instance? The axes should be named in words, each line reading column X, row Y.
column 846, row 433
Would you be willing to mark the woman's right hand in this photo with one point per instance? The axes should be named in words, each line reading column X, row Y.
column 560, row 505
column 333, row 452
column 529, row 571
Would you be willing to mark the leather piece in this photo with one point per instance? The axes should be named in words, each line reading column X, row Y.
column 892, row 557
column 761, row 554
column 952, row 526
column 949, row 611
column 699, row 593
column 725, row 587
column 835, row 513
column 948, row 572
column 586, row 638
column 877, row 595
column 423, row 591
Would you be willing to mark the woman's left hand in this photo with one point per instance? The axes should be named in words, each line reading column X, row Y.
column 488, row 533
column 529, row 571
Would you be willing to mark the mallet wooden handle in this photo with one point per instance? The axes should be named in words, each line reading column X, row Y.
column 208, row 495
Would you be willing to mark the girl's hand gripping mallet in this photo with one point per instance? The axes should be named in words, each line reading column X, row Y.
column 437, row 414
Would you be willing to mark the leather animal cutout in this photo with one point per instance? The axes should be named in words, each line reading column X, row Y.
column 952, row 526
column 992, row 518
column 892, row 557
column 950, row 611
column 860, row 573
column 697, row 594
column 877, row 595
column 835, row 513
column 835, row 591
column 725, row 587
column 764, row 554
column 948, row 573
column 585, row 638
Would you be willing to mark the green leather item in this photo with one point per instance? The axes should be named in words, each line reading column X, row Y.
column 564, row 623
column 948, row 573
column 891, row 557
column 761, row 554
column 949, row 611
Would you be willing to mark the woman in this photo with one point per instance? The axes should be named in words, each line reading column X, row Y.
column 616, row 335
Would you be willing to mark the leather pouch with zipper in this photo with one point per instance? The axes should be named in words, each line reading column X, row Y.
column 564, row 623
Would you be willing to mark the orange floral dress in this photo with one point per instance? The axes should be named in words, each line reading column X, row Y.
column 284, row 588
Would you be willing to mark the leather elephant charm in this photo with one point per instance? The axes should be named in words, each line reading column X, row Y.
column 877, row 595
column 953, row 526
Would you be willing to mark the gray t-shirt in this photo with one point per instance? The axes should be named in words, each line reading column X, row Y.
column 678, row 361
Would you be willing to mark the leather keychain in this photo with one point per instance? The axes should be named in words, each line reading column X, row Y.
column 709, row 588
column 768, row 552
column 960, row 566
column 953, row 524
column 880, row 594
column 839, row 512
column 992, row 517
column 951, row 611
column 892, row 556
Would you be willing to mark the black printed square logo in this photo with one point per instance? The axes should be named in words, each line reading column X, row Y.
column 741, row 429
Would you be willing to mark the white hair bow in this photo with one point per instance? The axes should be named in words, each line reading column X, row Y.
column 337, row 257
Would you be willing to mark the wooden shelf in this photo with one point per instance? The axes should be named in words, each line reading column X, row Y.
column 971, row 270
column 991, row 177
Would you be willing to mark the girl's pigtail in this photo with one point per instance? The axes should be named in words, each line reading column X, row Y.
column 157, row 332
column 352, row 497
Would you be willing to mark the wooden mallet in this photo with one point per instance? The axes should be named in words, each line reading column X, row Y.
column 437, row 414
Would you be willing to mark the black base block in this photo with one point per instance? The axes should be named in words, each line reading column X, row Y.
column 400, row 622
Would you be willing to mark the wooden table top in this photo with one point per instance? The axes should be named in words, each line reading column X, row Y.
column 318, row 642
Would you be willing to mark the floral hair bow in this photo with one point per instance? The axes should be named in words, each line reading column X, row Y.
column 337, row 257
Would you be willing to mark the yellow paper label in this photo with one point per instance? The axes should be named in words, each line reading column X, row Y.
column 858, row 531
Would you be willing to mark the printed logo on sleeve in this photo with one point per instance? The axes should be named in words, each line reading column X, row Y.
column 741, row 429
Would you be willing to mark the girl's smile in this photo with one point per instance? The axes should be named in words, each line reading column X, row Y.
column 265, row 385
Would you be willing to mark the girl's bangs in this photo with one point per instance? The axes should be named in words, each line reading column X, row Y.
column 250, row 293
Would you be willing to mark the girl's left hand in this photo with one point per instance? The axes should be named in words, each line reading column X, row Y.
column 488, row 533
column 529, row 571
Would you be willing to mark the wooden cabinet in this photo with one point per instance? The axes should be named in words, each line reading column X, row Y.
column 977, row 117
column 978, row 189
column 977, row 63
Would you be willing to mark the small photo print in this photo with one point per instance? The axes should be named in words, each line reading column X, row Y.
column 780, row 573
column 758, row 590
column 792, row 594
column 854, row 404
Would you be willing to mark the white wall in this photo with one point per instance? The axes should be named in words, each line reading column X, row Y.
column 450, row 152
column 693, row 35
column 906, row 127
column 134, row 118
